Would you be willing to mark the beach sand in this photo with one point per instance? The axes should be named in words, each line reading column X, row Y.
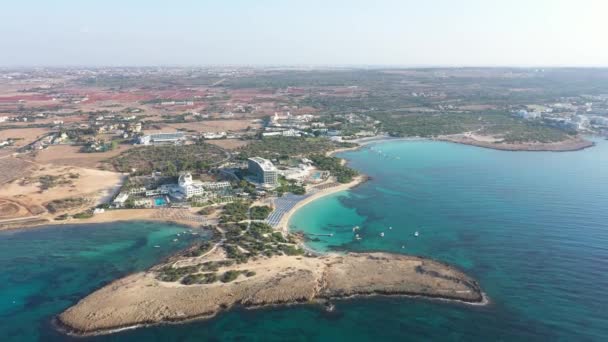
column 176, row 216
column 284, row 222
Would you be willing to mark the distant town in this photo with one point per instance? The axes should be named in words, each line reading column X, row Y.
column 76, row 143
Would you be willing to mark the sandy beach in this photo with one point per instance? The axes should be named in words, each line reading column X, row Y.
column 284, row 223
column 182, row 217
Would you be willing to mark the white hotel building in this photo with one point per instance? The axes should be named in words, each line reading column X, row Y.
column 263, row 171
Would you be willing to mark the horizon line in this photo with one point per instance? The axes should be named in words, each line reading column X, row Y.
column 310, row 66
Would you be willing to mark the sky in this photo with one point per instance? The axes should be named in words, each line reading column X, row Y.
column 304, row 32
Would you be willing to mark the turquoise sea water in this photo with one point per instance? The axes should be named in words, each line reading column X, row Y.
column 532, row 227
column 47, row 269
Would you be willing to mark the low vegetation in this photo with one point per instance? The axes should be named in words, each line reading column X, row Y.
column 343, row 174
column 65, row 204
column 511, row 129
column 289, row 185
column 260, row 212
column 199, row 249
column 229, row 276
column 235, row 211
column 169, row 159
column 46, row 182
column 199, row 278
column 286, row 147
column 83, row 215
column 170, row 274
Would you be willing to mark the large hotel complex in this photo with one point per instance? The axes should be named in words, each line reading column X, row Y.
column 263, row 171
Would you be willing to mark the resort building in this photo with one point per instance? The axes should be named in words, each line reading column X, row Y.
column 120, row 200
column 162, row 138
column 189, row 188
column 216, row 186
column 263, row 170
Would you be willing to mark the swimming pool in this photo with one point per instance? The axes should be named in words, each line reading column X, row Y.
column 316, row 175
column 160, row 201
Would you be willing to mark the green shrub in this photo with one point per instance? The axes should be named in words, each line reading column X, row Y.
column 229, row 276
column 84, row 215
column 260, row 212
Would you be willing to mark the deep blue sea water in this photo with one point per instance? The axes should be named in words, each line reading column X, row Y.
column 531, row 227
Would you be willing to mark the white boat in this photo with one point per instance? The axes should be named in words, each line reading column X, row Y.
column 355, row 228
column 382, row 234
column 174, row 240
column 157, row 246
column 402, row 246
column 416, row 233
column 390, row 228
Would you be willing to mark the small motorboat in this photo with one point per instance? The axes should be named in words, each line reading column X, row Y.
column 157, row 246
column 402, row 246
column 416, row 233
column 382, row 234
column 355, row 228
column 390, row 228
column 174, row 240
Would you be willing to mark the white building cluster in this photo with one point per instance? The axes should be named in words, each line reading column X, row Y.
column 162, row 138
column 185, row 189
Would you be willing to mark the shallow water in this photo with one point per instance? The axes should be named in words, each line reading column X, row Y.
column 47, row 269
column 532, row 227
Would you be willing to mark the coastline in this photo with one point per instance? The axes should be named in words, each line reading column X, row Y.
column 571, row 145
column 119, row 215
column 140, row 300
column 284, row 222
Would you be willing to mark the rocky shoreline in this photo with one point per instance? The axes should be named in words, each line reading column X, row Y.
column 141, row 299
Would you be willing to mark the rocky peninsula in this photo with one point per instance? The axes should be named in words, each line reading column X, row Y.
column 571, row 144
column 144, row 299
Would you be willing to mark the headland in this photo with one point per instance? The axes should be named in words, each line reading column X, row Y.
column 567, row 145
column 142, row 299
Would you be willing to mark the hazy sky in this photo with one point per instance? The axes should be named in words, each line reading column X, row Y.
column 306, row 32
